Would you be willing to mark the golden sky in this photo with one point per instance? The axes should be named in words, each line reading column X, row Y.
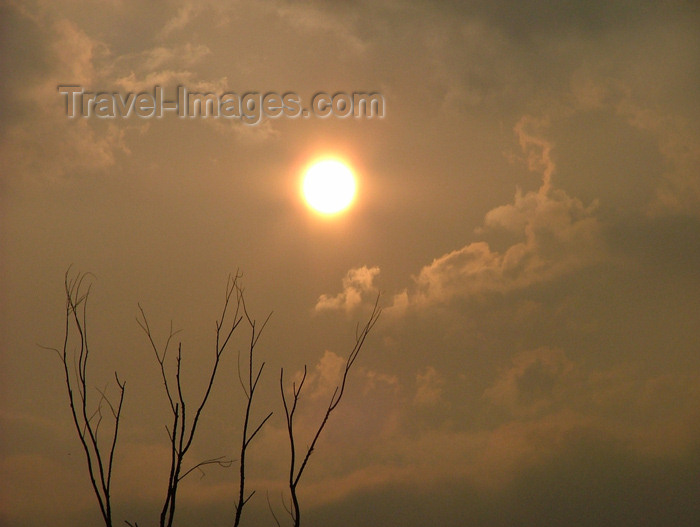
column 528, row 207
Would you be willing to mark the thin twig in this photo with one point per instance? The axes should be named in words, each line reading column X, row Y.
column 184, row 428
column 295, row 472
column 99, row 470
column 249, row 391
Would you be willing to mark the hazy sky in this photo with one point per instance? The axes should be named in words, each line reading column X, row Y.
column 529, row 209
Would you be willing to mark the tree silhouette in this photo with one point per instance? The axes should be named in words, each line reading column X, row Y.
column 184, row 423
column 296, row 469
column 248, row 387
column 182, row 431
column 100, row 459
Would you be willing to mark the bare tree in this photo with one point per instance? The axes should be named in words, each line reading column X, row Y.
column 290, row 407
column 87, row 423
column 182, row 431
column 249, row 390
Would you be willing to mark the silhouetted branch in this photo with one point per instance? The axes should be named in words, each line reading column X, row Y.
column 249, row 391
column 222, row 461
column 295, row 472
column 99, row 469
column 183, row 429
column 272, row 511
column 89, row 419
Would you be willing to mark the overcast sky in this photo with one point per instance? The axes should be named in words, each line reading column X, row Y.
column 528, row 208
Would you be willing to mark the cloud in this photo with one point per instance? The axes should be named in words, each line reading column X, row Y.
column 532, row 382
column 66, row 146
column 167, row 66
column 551, row 402
column 357, row 284
column 555, row 234
column 429, row 386
column 652, row 96
column 179, row 21
column 145, row 81
column 591, row 480
column 36, row 120
column 328, row 375
column 304, row 17
column 187, row 54
column 651, row 413
column 366, row 417
column 678, row 191
column 530, row 413
column 75, row 52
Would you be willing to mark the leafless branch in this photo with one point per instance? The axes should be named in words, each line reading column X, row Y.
column 249, row 391
column 290, row 406
column 183, row 429
column 91, row 417
column 222, row 461
column 99, row 468
column 272, row 511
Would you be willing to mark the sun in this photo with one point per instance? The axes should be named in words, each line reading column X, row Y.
column 329, row 186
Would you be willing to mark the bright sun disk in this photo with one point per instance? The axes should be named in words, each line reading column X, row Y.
column 329, row 186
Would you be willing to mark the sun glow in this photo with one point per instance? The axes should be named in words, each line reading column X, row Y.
column 329, row 186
